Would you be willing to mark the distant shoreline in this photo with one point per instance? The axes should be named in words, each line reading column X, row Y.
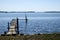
column 29, row 12
column 52, row 12
column 17, row 12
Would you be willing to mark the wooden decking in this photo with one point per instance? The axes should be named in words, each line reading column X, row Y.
column 13, row 29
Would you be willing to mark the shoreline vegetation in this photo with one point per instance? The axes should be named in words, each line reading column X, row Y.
column 17, row 12
column 29, row 12
column 32, row 37
column 52, row 12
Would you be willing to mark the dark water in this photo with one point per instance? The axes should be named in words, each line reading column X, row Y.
column 37, row 22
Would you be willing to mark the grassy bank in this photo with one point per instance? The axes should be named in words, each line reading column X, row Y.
column 32, row 37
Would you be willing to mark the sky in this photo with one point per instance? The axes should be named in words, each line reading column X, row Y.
column 29, row 5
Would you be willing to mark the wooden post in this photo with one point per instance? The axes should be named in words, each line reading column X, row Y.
column 8, row 26
column 17, row 26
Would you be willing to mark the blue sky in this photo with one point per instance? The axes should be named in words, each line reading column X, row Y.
column 30, row 5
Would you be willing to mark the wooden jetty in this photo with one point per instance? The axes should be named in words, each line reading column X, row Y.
column 13, row 27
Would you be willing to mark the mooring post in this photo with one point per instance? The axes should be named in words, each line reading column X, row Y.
column 17, row 26
column 8, row 26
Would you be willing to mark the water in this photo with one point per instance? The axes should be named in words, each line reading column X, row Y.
column 42, row 23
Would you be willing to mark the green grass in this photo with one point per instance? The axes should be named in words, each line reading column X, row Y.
column 32, row 37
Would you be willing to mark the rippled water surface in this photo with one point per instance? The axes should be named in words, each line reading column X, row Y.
column 37, row 22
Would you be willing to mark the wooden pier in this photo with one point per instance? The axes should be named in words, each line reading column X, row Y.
column 13, row 27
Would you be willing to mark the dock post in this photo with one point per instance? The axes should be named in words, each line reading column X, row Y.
column 17, row 26
column 8, row 26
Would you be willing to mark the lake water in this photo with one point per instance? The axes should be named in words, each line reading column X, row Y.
column 43, row 23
